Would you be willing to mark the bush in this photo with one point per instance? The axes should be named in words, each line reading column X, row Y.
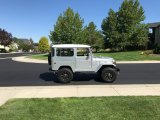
column 13, row 47
column 148, row 52
column 156, row 49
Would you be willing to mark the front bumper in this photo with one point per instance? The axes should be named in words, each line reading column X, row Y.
column 117, row 69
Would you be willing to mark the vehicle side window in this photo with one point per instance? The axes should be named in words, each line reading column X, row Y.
column 65, row 52
column 82, row 51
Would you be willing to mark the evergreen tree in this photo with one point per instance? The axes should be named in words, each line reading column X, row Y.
column 124, row 29
column 109, row 27
column 68, row 28
column 93, row 37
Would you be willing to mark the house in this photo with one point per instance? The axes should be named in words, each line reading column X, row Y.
column 154, row 34
column 25, row 44
column 3, row 49
column 26, row 41
column 12, row 47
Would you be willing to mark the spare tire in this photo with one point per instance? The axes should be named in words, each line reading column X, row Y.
column 49, row 59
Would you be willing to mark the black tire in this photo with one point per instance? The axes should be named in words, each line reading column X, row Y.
column 65, row 75
column 49, row 59
column 108, row 75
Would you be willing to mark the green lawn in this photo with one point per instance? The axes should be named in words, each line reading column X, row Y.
column 101, row 108
column 129, row 56
column 119, row 56
column 40, row 56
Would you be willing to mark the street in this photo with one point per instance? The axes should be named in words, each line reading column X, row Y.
column 14, row 73
column 8, row 55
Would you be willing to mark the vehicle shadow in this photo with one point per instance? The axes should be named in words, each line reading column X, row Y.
column 48, row 76
column 86, row 77
column 78, row 77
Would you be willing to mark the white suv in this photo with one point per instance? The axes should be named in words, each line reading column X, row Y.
column 66, row 59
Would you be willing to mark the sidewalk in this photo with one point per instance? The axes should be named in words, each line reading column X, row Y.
column 7, row 93
column 29, row 60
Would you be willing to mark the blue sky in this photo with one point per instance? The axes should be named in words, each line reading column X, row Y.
column 35, row 18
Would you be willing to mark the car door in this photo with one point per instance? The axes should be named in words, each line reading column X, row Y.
column 64, row 57
column 83, row 59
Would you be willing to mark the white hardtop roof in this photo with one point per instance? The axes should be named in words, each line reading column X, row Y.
column 70, row 46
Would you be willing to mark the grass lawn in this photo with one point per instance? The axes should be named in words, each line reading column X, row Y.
column 101, row 108
column 119, row 56
column 40, row 56
column 129, row 56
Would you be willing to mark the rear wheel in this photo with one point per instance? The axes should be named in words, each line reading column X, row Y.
column 108, row 75
column 65, row 75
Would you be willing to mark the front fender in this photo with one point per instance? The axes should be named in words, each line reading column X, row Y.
column 106, row 65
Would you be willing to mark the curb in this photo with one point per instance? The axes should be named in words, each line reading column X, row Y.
column 137, row 62
column 5, row 58
column 29, row 60
column 11, row 53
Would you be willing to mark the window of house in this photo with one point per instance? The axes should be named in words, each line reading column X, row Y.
column 150, row 30
column 65, row 52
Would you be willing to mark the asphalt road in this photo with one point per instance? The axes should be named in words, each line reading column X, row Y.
column 14, row 55
column 29, row 74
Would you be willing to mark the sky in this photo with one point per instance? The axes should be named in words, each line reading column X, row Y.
column 36, row 18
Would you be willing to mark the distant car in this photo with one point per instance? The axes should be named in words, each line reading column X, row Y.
column 67, row 59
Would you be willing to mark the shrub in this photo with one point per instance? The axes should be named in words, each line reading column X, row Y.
column 13, row 47
column 148, row 52
column 156, row 49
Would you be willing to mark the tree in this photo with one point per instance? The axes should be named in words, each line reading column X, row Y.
column 93, row 37
column 5, row 38
column 13, row 47
column 43, row 45
column 24, row 44
column 124, row 29
column 68, row 28
column 109, row 27
column 31, row 43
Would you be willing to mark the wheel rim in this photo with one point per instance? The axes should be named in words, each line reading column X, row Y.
column 108, row 76
column 65, row 76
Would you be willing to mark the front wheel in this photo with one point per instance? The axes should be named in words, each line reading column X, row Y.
column 108, row 75
column 65, row 75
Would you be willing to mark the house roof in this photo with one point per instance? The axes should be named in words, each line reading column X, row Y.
column 70, row 46
column 154, row 25
column 24, row 40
